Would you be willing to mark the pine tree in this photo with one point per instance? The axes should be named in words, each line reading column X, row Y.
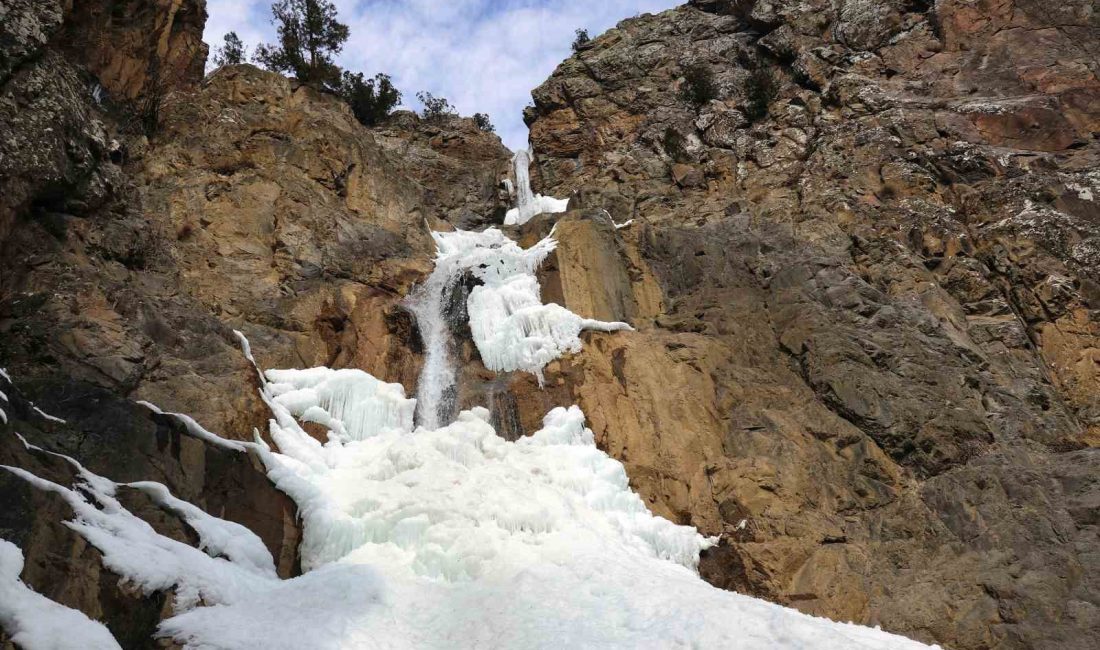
column 484, row 123
column 309, row 37
column 232, row 52
column 370, row 99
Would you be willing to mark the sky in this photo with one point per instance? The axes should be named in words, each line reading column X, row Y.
column 485, row 56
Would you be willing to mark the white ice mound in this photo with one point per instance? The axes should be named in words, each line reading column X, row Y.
column 350, row 403
column 440, row 539
column 539, row 543
column 539, row 204
column 529, row 204
column 511, row 327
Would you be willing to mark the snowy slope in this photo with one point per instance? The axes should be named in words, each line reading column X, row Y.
column 440, row 536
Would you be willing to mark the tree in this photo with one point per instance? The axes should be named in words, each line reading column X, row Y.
column 581, row 39
column 231, row 53
column 309, row 36
column 370, row 99
column 483, row 123
column 435, row 108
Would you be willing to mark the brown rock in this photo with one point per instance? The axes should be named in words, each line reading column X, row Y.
column 686, row 175
column 881, row 299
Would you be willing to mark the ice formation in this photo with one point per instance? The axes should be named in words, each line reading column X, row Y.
column 445, row 538
column 529, row 204
column 434, row 536
column 510, row 326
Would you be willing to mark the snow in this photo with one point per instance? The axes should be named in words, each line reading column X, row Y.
column 47, row 416
column 217, row 537
column 196, row 430
column 35, row 622
column 350, row 403
column 529, row 204
column 434, row 536
column 1083, row 191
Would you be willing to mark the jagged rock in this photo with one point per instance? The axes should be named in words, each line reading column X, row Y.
column 460, row 166
column 864, row 279
column 124, row 442
column 137, row 46
column 877, row 318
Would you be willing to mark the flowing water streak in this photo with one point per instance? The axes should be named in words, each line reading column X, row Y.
column 525, row 198
column 529, row 204
column 436, row 391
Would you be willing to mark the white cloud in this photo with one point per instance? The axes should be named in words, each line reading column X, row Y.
column 483, row 55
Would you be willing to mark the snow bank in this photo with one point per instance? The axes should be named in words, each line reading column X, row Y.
column 35, row 622
column 350, row 403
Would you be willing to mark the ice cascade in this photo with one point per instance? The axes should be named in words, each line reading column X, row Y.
column 529, row 204
column 510, row 326
column 434, row 537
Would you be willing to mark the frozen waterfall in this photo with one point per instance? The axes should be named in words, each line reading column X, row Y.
column 511, row 327
column 529, row 204
column 439, row 536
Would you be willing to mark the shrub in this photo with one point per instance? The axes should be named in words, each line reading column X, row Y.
column 483, row 123
column 699, row 87
column 785, row 52
column 231, row 52
column 147, row 110
column 371, row 100
column 435, row 108
column 309, row 36
column 760, row 90
column 673, row 143
column 581, row 39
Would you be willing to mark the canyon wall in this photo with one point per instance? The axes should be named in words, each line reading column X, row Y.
column 864, row 275
column 862, row 266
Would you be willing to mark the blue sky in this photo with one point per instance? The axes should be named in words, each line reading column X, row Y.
column 483, row 55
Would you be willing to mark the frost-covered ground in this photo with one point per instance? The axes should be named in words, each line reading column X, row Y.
column 430, row 536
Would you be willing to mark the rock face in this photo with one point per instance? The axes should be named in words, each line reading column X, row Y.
column 127, row 261
column 869, row 359
column 128, row 442
column 52, row 138
column 862, row 268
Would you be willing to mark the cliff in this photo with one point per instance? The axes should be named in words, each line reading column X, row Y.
column 871, row 363
column 862, row 269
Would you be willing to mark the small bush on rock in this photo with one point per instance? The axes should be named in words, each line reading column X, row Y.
column 581, row 40
column 699, row 87
column 673, row 143
column 435, row 108
column 760, row 90
column 483, row 123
